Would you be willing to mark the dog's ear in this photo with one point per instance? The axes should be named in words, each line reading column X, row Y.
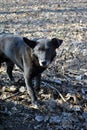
column 30, row 43
column 56, row 42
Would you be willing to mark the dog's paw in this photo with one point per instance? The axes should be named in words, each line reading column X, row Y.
column 35, row 105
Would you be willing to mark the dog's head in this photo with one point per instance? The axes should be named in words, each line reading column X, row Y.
column 44, row 49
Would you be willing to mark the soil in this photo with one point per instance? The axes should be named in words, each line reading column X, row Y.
column 68, row 72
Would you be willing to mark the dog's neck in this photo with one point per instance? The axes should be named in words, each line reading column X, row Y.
column 35, row 61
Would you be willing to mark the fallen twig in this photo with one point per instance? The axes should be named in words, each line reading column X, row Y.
column 50, row 86
column 13, row 95
column 58, row 82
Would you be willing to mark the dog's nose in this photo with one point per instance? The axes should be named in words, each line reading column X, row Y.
column 44, row 63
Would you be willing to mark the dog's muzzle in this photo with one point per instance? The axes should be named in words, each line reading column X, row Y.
column 44, row 63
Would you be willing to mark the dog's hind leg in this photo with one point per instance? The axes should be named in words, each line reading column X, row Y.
column 10, row 66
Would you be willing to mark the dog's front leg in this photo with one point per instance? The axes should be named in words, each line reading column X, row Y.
column 28, row 82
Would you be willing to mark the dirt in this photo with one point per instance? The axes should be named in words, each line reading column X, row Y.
column 47, row 18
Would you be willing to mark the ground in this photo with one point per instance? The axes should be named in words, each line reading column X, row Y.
column 68, row 72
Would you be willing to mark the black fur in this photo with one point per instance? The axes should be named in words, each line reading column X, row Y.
column 33, row 57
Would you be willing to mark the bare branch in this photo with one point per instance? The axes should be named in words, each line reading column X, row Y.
column 13, row 95
column 50, row 86
column 58, row 82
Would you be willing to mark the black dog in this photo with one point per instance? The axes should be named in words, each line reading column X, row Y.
column 33, row 57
